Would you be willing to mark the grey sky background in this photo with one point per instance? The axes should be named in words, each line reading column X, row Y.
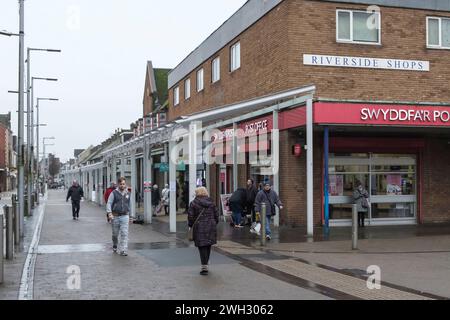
column 105, row 46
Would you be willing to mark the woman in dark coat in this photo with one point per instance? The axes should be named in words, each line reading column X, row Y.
column 205, row 230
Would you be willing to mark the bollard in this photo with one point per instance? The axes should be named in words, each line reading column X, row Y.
column 16, row 219
column 1, row 247
column 355, row 227
column 9, row 232
column 263, row 223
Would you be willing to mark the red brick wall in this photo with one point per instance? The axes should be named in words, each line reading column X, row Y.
column 436, row 181
column 3, row 146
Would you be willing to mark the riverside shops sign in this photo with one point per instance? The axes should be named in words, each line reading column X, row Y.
column 367, row 114
column 364, row 62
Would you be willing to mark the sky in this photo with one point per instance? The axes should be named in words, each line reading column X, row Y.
column 101, row 70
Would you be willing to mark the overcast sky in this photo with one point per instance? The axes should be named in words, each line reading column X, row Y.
column 105, row 45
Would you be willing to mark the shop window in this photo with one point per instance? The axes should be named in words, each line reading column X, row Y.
column 438, row 33
column 215, row 67
column 358, row 27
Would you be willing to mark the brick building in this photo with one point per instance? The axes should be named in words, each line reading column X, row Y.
column 381, row 102
column 7, row 154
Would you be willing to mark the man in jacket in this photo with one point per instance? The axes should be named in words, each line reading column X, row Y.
column 118, row 209
column 237, row 202
column 75, row 193
column 251, row 196
column 270, row 198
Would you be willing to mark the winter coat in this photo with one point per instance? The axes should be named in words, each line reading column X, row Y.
column 75, row 193
column 238, row 200
column 358, row 197
column 251, row 195
column 205, row 230
column 156, row 197
column 165, row 195
column 270, row 199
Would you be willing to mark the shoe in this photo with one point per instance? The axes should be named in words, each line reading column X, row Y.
column 123, row 253
column 204, row 272
column 74, row 218
column 115, row 249
column 268, row 237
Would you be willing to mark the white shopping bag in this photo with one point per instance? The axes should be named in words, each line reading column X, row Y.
column 256, row 228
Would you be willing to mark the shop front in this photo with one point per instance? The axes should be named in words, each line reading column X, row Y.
column 383, row 147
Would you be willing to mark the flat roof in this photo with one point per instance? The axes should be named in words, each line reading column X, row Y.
column 254, row 10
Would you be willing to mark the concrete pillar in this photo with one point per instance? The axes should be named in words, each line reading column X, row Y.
column 309, row 168
column 193, row 146
column 235, row 158
column 276, row 162
column 133, row 184
column 173, row 187
column 148, row 210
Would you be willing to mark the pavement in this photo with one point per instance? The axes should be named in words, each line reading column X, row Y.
column 74, row 261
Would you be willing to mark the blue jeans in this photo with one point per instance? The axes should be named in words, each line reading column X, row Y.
column 237, row 217
column 268, row 219
column 120, row 229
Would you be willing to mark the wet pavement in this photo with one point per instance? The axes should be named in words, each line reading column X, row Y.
column 162, row 265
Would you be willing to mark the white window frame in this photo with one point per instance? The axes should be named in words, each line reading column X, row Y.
column 233, row 61
column 432, row 46
column 351, row 28
column 200, row 80
column 215, row 70
column 187, row 89
column 176, row 96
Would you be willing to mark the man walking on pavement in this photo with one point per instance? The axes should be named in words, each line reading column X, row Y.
column 270, row 198
column 75, row 193
column 118, row 208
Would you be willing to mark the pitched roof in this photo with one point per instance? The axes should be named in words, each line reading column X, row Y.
column 156, row 81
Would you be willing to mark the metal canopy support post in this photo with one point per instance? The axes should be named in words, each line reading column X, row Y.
column 148, row 210
column 235, row 158
column 276, row 162
column 193, row 144
column 133, row 185
column 108, row 173
column 173, row 187
column 326, row 178
column 309, row 168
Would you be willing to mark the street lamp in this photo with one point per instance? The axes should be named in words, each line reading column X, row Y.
column 30, row 142
column 20, row 164
column 37, row 137
column 30, row 132
column 43, row 157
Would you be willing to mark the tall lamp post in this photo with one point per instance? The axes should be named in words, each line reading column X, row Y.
column 30, row 143
column 43, row 157
column 20, row 164
column 37, row 139
column 30, row 131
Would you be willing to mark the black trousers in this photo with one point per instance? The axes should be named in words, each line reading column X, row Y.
column 361, row 217
column 75, row 208
column 205, row 252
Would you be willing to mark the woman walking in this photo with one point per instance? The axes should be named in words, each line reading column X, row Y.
column 203, row 216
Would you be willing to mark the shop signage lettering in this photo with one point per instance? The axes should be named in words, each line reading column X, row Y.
column 365, row 62
column 405, row 115
column 256, row 127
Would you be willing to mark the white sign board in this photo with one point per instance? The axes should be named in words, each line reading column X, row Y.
column 364, row 62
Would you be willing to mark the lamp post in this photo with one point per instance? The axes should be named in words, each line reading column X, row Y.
column 30, row 131
column 30, row 143
column 37, row 138
column 43, row 157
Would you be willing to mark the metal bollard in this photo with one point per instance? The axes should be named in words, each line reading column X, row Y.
column 9, row 232
column 16, row 219
column 355, row 227
column 263, row 223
